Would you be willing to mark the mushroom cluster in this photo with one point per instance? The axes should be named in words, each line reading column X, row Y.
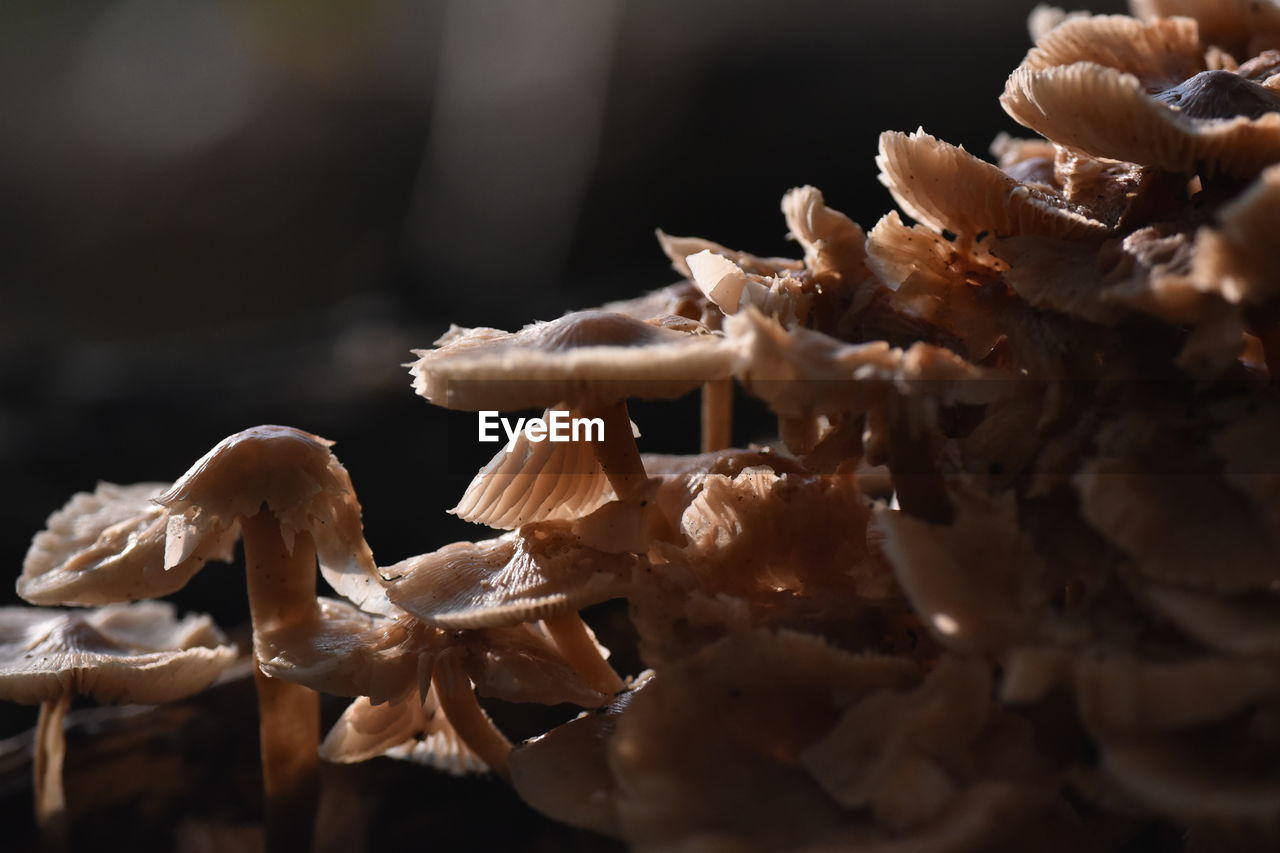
column 1005, row 580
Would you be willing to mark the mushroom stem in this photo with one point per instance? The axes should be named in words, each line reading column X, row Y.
column 917, row 482
column 282, row 591
column 575, row 642
column 458, row 701
column 618, row 455
column 51, row 747
column 717, row 415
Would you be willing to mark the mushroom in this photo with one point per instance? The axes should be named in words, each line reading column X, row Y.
column 136, row 653
column 591, row 361
column 291, row 500
column 541, row 573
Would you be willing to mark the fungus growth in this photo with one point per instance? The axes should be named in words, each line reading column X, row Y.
column 1006, row 578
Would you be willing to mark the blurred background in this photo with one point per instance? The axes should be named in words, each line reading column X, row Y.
column 219, row 214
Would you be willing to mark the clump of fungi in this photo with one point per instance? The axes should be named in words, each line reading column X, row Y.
column 1006, row 580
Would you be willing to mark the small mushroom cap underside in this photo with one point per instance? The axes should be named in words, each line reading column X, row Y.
column 295, row 476
column 1162, row 53
column 536, row 481
column 731, row 288
column 948, row 189
column 344, row 651
column 132, row 653
column 520, row 663
column 1107, row 113
column 541, row 571
column 410, row 729
column 588, row 357
column 970, row 581
column 109, row 546
column 725, row 728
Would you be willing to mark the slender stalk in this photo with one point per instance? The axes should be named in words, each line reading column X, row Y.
column 574, row 641
column 617, row 454
column 917, row 482
column 51, row 747
column 282, row 591
column 458, row 701
column 717, row 415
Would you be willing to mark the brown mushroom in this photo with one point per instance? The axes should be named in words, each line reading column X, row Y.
column 136, row 653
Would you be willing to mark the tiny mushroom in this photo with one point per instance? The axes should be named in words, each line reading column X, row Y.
column 132, row 653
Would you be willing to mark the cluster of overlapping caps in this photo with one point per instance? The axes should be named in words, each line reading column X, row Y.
column 1009, row 572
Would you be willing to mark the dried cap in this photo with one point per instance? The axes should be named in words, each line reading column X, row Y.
column 540, row 571
column 108, row 546
column 1107, row 113
column 296, row 477
column 584, row 357
column 136, row 653
column 948, row 189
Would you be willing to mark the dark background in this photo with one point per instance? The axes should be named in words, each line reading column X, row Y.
column 216, row 215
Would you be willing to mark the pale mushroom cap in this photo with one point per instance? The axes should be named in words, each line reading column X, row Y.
column 678, row 249
column 1081, row 106
column 134, row 653
column 584, row 357
column 520, row 663
column 108, row 546
column 948, row 189
column 1244, row 27
column 541, row 571
column 833, row 243
column 1165, row 51
column 293, row 475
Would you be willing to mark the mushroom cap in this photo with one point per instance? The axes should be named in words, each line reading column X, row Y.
column 520, row 663
column 582, row 358
column 297, row 478
column 1243, row 27
column 108, row 546
column 948, row 189
column 1107, row 113
column 412, row 728
column 834, row 245
column 540, row 571
column 133, row 653
column 536, row 481
column 565, row 773
column 1162, row 52
column 344, row 651
column 1245, row 624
